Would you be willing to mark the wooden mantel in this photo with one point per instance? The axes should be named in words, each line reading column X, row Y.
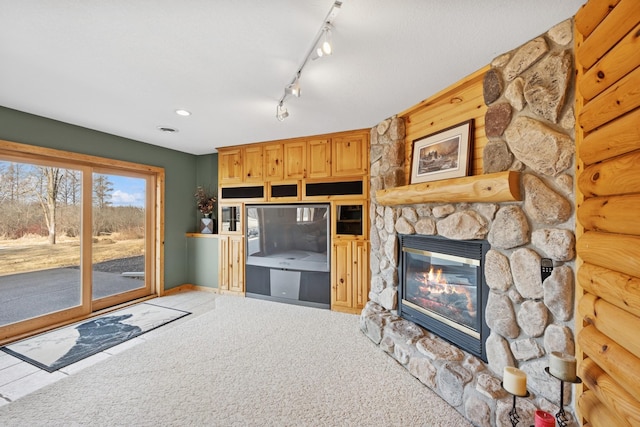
column 495, row 187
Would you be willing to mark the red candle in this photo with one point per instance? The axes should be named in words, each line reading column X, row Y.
column 544, row 419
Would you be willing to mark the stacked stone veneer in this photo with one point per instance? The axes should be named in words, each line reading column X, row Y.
column 529, row 127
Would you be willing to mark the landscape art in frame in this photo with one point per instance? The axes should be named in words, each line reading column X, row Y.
column 442, row 155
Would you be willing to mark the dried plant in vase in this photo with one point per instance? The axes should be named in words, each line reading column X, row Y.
column 206, row 202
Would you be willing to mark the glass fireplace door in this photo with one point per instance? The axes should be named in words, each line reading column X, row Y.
column 443, row 287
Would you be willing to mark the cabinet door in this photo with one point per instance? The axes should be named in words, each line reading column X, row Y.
column 360, row 273
column 349, row 156
column 253, row 165
column 341, row 259
column 230, row 166
column 236, row 264
column 295, row 156
column 350, row 219
column 223, row 271
column 230, row 218
column 319, row 158
column 273, row 162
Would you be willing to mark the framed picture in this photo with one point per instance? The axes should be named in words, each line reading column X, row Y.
column 446, row 154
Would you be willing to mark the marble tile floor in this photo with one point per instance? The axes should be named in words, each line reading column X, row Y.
column 19, row 378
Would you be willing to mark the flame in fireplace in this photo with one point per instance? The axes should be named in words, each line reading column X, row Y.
column 437, row 277
column 435, row 293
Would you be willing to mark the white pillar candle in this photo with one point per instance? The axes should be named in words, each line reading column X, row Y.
column 562, row 366
column 514, row 381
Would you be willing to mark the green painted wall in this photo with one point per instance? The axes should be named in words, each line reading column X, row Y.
column 202, row 261
column 207, row 177
column 207, row 171
column 181, row 173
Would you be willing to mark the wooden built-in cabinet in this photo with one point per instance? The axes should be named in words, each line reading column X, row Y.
column 273, row 162
column 350, row 155
column 349, row 255
column 231, row 271
column 295, row 160
column 339, row 155
column 231, row 249
column 230, row 218
column 253, row 165
column 319, row 158
column 329, row 168
column 349, row 275
column 350, row 219
column 230, row 166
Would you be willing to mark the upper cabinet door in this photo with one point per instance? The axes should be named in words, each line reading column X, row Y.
column 350, row 155
column 253, row 164
column 295, row 156
column 230, row 166
column 319, row 158
column 273, row 162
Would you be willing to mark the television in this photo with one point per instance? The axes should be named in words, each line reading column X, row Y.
column 288, row 237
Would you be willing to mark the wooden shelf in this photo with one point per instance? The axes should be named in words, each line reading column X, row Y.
column 495, row 187
column 203, row 235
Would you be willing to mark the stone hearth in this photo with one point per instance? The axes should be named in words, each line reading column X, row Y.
column 529, row 127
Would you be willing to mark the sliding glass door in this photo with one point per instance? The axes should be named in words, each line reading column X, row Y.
column 76, row 236
column 40, row 251
column 119, row 234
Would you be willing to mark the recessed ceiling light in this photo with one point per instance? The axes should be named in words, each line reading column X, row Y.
column 181, row 112
column 167, row 129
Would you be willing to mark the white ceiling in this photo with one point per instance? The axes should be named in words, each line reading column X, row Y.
column 125, row 66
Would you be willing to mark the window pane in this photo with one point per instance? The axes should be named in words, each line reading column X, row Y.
column 118, row 234
column 40, row 208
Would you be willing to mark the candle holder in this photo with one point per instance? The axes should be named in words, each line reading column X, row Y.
column 561, row 416
column 513, row 413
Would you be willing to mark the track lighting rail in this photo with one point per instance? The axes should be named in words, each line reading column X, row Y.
column 316, row 51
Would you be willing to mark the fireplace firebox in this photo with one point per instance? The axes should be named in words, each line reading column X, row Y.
column 442, row 289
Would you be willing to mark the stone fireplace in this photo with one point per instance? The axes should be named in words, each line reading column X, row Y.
column 442, row 289
column 529, row 126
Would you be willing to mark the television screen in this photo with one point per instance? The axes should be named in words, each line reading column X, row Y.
column 289, row 236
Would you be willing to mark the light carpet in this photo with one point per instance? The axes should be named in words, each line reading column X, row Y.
column 247, row 362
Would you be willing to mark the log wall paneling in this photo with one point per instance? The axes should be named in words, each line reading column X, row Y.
column 617, row 63
column 614, row 397
column 618, row 252
column 619, row 289
column 620, row 175
column 579, row 167
column 620, row 98
column 620, row 364
column 615, row 323
column 591, row 14
column 612, row 28
column 597, row 412
column 612, row 214
column 618, row 137
column 607, row 107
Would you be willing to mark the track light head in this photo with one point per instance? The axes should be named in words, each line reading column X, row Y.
column 281, row 112
column 326, row 46
column 294, row 88
column 317, row 53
